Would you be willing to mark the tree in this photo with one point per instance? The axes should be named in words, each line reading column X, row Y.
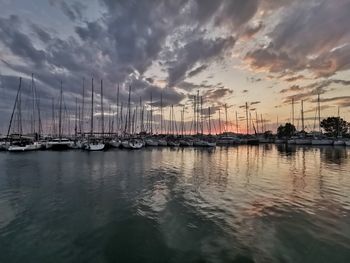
column 286, row 130
column 335, row 126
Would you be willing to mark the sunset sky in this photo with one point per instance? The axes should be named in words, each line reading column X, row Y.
column 264, row 52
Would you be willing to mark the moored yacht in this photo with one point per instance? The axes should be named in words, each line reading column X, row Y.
column 186, row 142
column 228, row 140
column 25, row 146
column 94, row 144
column 151, row 142
column 162, row 142
column 303, row 141
column 136, row 143
column 339, row 142
column 115, row 143
column 59, row 144
column 321, row 141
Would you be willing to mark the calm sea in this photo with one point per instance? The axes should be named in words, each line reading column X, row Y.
column 240, row 204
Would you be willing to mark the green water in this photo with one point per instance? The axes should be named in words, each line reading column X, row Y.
column 241, row 204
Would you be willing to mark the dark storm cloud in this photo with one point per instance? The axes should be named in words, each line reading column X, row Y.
column 72, row 9
column 237, row 12
column 197, row 70
column 215, row 95
column 198, row 50
column 18, row 42
column 42, row 34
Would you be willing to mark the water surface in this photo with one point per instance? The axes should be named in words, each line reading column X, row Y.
column 240, row 204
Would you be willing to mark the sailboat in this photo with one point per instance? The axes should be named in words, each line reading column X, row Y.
column 18, row 142
column 4, row 144
column 93, row 143
column 339, row 140
column 320, row 139
column 302, row 139
column 60, row 143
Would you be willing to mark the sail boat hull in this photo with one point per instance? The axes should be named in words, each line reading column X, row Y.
column 95, row 147
column 321, row 142
column 29, row 147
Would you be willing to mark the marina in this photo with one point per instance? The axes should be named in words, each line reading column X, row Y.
column 133, row 133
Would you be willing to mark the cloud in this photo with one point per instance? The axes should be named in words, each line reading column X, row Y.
column 294, row 78
column 292, row 88
column 18, row 42
column 311, row 90
column 294, row 48
column 255, row 102
column 197, row 70
column 216, row 94
column 251, row 30
column 341, row 101
column 200, row 50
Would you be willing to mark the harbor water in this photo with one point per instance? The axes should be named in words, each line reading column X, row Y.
column 267, row 203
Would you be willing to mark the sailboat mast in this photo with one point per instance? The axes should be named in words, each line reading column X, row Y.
column 53, row 118
column 226, row 122
column 161, row 112
column 209, row 115
column 82, row 118
column 293, row 111
column 60, row 114
column 236, row 122
column 246, row 114
column 102, row 112
column 257, row 121
column 129, row 113
column 194, row 115
column 14, row 106
column 319, row 112
column 202, row 122
column 302, row 116
column 37, row 98
column 338, row 123
column 151, row 117
column 219, row 121
column 76, row 118
column 33, row 106
column 92, row 107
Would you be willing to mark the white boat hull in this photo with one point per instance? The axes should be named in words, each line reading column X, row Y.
column 29, row 147
column 95, row 147
column 115, row 143
column 339, row 143
column 135, row 144
column 126, row 145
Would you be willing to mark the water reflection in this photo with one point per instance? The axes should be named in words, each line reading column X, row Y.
column 232, row 204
